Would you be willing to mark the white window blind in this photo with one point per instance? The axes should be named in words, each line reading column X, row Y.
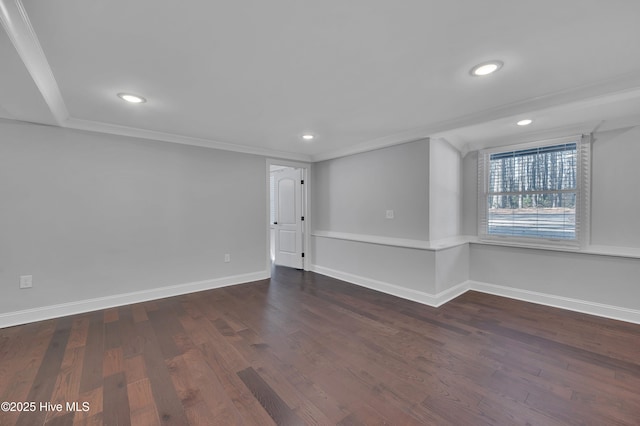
column 535, row 192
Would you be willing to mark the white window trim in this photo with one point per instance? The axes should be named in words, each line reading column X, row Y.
column 583, row 192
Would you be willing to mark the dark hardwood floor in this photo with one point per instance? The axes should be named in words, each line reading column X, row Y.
column 307, row 349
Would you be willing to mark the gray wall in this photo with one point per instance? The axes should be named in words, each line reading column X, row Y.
column 404, row 267
column 445, row 194
column 608, row 280
column 91, row 215
column 615, row 191
column 351, row 194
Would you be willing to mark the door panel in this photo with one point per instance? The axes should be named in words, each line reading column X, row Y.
column 287, row 241
column 286, row 201
column 288, row 220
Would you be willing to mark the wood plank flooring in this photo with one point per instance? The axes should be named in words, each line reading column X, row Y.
column 303, row 348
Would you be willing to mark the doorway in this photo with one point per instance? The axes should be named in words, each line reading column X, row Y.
column 287, row 226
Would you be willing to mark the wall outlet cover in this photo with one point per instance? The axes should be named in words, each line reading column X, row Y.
column 26, row 281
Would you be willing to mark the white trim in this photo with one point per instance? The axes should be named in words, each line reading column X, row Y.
column 429, row 299
column 554, row 132
column 534, row 144
column 437, row 300
column 593, row 250
column 583, row 215
column 115, row 129
column 10, row 319
column 612, row 90
column 15, row 21
column 434, row 245
column 583, row 306
column 628, row 252
column 437, row 245
column 306, row 208
column 582, row 191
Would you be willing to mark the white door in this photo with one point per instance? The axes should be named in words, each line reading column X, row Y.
column 288, row 218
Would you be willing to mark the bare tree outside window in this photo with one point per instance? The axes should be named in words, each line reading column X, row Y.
column 533, row 192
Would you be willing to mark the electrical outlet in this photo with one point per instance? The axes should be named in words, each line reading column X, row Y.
column 389, row 214
column 26, row 281
column 227, row 258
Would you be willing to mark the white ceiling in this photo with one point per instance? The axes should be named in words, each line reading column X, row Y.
column 253, row 76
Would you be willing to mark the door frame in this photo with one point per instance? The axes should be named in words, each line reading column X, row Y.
column 306, row 224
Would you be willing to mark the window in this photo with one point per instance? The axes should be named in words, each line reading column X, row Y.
column 535, row 193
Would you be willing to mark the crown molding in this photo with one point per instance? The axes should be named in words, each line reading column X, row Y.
column 371, row 145
column 134, row 132
column 16, row 23
column 586, row 127
column 622, row 88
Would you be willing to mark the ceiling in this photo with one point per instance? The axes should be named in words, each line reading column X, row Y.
column 254, row 76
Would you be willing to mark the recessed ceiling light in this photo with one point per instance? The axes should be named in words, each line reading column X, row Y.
column 486, row 68
column 525, row 122
column 134, row 99
column 308, row 137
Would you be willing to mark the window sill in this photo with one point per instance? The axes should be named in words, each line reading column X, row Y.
column 434, row 245
column 599, row 250
column 534, row 243
column 437, row 245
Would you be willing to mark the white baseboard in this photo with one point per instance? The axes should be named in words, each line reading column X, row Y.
column 55, row 311
column 577, row 305
column 434, row 300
